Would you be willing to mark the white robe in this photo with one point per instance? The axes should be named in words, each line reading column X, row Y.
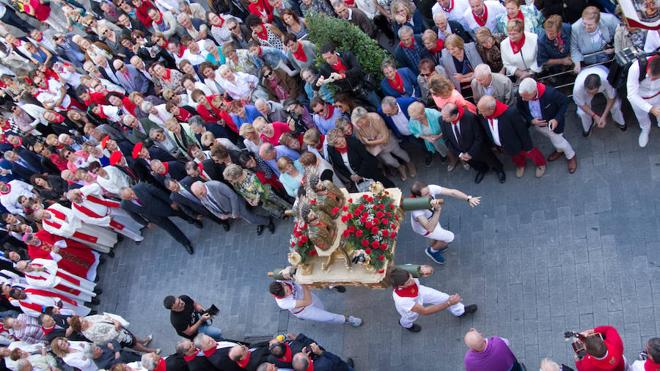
column 115, row 182
column 60, row 281
column 72, row 227
column 30, row 305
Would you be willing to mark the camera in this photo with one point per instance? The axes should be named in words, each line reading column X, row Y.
column 212, row 310
column 578, row 344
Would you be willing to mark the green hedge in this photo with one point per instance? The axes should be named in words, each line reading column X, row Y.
column 346, row 36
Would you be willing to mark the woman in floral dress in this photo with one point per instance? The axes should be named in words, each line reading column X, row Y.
column 246, row 184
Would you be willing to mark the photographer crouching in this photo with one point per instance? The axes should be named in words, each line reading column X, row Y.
column 598, row 349
column 189, row 318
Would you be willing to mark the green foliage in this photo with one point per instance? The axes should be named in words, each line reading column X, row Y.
column 347, row 37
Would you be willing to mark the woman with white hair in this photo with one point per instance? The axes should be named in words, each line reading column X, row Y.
column 238, row 85
column 372, row 131
column 519, row 51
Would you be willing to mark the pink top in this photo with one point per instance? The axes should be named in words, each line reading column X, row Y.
column 279, row 128
column 455, row 98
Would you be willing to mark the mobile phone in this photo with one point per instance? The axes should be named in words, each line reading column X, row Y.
column 213, row 310
column 579, row 348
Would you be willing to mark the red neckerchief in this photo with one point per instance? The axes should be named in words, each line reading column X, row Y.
column 649, row 365
column 47, row 331
column 481, row 21
column 559, row 42
column 299, row 54
column 167, row 168
column 130, row 106
column 290, row 288
column 287, row 357
column 168, row 74
column 412, row 44
column 411, row 291
column 518, row 45
column 331, row 111
column 263, row 35
column 260, row 51
column 540, row 88
column 101, row 114
column 438, row 46
column 59, row 118
column 182, row 49
column 8, row 191
column 210, row 352
column 461, row 111
column 191, row 357
column 160, row 16
column 339, row 66
column 162, row 365
column 451, row 7
column 342, row 149
column 648, row 65
column 311, row 365
column 222, row 21
column 20, row 143
column 500, row 108
column 244, row 362
column 397, row 83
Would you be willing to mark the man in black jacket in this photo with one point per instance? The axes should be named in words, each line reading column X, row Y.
column 193, row 357
column 217, row 353
column 345, row 72
column 282, row 351
column 507, row 130
column 321, row 359
column 464, row 137
column 24, row 163
column 148, row 204
column 174, row 362
column 545, row 107
column 189, row 204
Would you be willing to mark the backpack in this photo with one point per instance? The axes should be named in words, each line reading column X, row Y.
column 618, row 74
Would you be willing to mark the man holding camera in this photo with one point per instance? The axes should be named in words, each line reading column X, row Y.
column 652, row 361
column 189, row 318
column 603, row 349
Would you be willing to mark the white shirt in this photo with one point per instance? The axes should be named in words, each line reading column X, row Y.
column 457, row 13
column 115, row 182
column 401, row 122
column 344, row 158
column 639, row 92
column 525, row 59
column 434, row 191
column 494, row 127
column 10, row 200
column 241, row 87
column 289, row 302
column 495, row 11
column 580, row 96
column 404, row 305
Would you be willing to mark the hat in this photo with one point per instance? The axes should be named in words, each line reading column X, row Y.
column 104, row 141
column 136, row 149
column 115, row 157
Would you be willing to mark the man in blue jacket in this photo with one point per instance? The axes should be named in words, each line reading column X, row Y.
column 544, row 107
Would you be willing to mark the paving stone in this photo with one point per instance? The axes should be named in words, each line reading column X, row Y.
column 539, row 257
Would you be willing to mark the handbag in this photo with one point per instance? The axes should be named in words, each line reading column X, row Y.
column 124, row 323
column 364, row 185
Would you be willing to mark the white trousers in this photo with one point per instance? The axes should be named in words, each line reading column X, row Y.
column 441, row 234
column 615, row 112
column 392, row 147
column 131, row 227
column 643, row 116
column 106, row 238
column 429, row 297
column 558, row 141
column 316, row 312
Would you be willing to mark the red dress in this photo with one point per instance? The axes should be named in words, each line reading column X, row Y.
column 77, row 258
column 279, row 128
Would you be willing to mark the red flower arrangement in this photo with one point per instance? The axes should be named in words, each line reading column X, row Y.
column 300, row 242
column 372, row 223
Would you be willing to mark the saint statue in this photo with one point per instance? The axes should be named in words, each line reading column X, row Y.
column 321, row 228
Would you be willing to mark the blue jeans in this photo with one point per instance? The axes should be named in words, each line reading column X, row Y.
column 211, row 331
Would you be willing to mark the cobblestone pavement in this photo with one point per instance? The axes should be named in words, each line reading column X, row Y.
column 539, row 256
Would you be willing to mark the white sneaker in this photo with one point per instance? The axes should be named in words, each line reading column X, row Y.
column 354, row 321
column 644, row 138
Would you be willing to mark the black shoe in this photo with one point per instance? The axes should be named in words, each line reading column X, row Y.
column 260, row 230
column 111, row 254
column 138, row 242
column 428, row 159
column 95, row 301
column 198, row 224
column 341, row 289
column 501, row 176
column 102, row 260
column 189, row 248
column 479, row 177
column 98, row 291
column 350, row 363
column 226, row 226
column 588, row 132
column 624, row 127
column 414, row 328
column 120, row 238
column 96, row 280
column 469, row 309
column 271, row 225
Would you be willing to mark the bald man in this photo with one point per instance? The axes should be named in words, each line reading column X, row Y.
column 507, row 129
column 492, row 354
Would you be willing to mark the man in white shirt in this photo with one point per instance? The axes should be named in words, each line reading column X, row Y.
column 590, row 82
column 302, row 303
column 644, row 94
column 412, row 299
column 454, row 10
column 238, row 85
column 483, row 14
column 11, row 191
column 427, row 222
